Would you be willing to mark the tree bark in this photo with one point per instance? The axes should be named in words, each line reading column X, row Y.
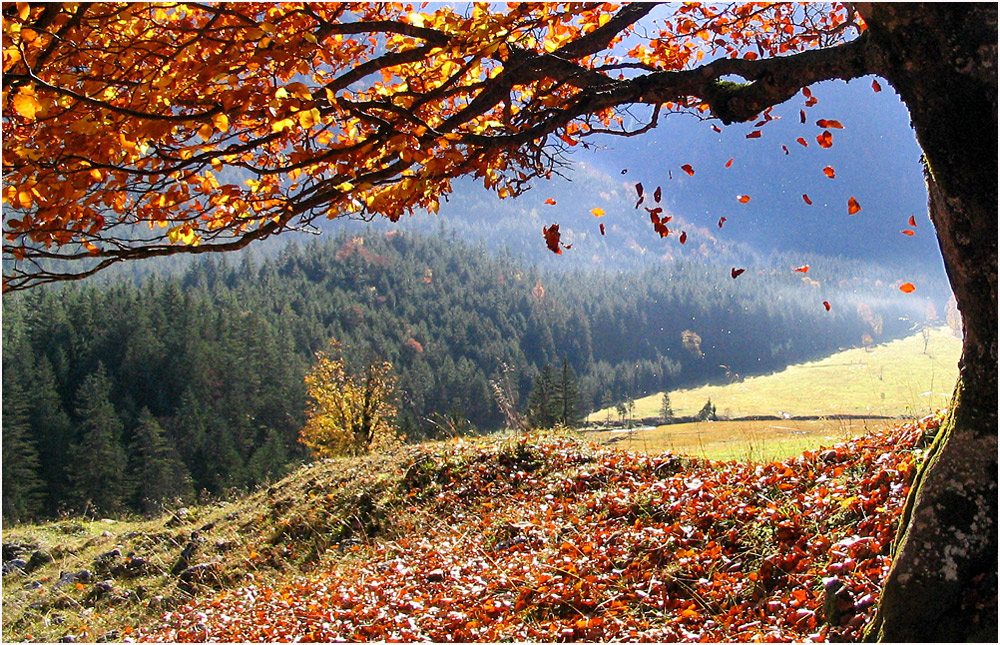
column 941, row 58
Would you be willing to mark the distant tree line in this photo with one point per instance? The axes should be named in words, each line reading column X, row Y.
column 126, row 396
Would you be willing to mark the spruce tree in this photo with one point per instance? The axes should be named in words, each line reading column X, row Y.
column 568, row 395
column 22, row 486
column 98, row 466
column 543, row 411
column 666, row 409
column 159, row 475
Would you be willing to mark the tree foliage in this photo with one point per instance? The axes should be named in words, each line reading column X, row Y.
column 349, row 414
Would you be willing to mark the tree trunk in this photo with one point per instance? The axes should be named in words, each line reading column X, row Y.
column 942, row 60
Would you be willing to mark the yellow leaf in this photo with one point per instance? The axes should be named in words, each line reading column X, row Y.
column 311, row 38
column 96, row 174
column 23, row 10
column 205, row 131
column 309, row 118
column 26, row 105
column 282, row 125
column 597, row 212
column 221, row 122
column 24, row 198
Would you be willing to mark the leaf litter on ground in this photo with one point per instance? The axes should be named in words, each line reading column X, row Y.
column 547, row 538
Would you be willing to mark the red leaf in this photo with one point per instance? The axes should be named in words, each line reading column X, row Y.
column 736, row 272
column 806, row 92
column 552, row 234
column 785, row 148
column 754, row 135
column 827, row 305
column 657, row 194
column 743, row 199
column 802, row 116
column 833, row 125
column 638, row 189
column 670, row 174
column 602, row 229
column 802, row 141
column 876, row 86
column 853, row 206
column 802, row 269
column 907, row 232
column 829, row 172
column 729, row 163
column 812, row 101
column 722, row 220
column 806, row 199
column 750, row 56
column 654, row 212
column 688, row 169
column 825, row 140
column 913, row 221
column 684, row 237
column 716, row 128
column 907, row 287
column 550, row 201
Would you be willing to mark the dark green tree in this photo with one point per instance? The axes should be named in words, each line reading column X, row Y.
column 707, row 412
column 158, row 474
column 666, row 409
column 567, row 395
column 22, row 487
column 98, row 466
column 543, row 402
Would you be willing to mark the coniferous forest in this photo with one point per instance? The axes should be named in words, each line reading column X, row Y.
column 130, row 395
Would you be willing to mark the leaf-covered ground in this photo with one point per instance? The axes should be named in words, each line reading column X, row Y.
column 551, row 539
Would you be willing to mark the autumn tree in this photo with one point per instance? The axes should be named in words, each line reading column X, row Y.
column 125, row 124
column 349, row 414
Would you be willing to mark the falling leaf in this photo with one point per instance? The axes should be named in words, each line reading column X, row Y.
column 638, row 189
column 785, row 148
column 550, row 201
column 602, row 229
column 597, row 212
column 754, row 135
column 876, row 86
column 827, row 305
column 743, row 199
column 722, row 220
column 802, row 142
column 907, row 287
column 829, row 172
column 655, row 211
column 907, row 232
column 827, row 123
column 802, row 269
column 684, row 237
column 853, row 206
column 657, row 194
column 688, row 169
column 736, row 272
column 806, row 199
column 729, row 163
column 802, row 116
column 913, row 221
column 552, row 235
column 825, row 139
column 624, row 171
column 670, row 174
column 716, row 128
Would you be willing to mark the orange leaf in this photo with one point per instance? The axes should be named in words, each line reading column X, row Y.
column 827, row 305
column 597, row 212
column 833, row 125
column 802, row 142
column 802, row 269
column 736, row 272
column 853, row 206
column 550, row 201
column 806, row 199
column 552, row 234
column 688, row 169
column 876, row 86
column 716, row 128
column 684, row 237
column 907, row 287
column 907, row 232
column 729, row 163
column 913, row 221
column 754, row 135
column 825, row 140
column 829, row 172
column 743, row 199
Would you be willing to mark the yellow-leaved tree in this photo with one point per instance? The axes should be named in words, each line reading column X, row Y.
column 349, row 414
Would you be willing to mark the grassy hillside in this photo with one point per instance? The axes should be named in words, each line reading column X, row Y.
column 531, row 538
column 902, row 378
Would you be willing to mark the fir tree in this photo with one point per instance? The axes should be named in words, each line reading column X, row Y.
column 568, row 396
column 666, row 409
column 22, row 486
column 98, row 468
column 543, row 410
column 158, row 471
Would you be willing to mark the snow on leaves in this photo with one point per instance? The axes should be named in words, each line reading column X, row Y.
column 555, row 540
